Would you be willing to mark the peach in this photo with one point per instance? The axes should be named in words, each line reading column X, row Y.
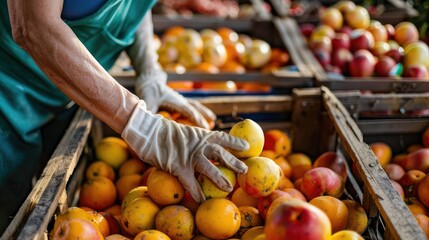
column 414, row 147
column 418, row 160
column 295, row 193
column 399, row 158
column 300, row 163
column 321, row 181
column 265, row 202
column 357, row 219
column 296, row 219
column 284, row 183
column 77, row 228
column 425, row 138
column 423, row 221
column 394, row 171
column 417, row 207
column 411, row 178
column 406, row 32
column 378, row 31
column 277, row 141
column 332, row 17
column 332, row 161
column 416, row 53
column 358, row 17
column 346, row 235
column 345, row 6
column 382, row 151
column 423, row 191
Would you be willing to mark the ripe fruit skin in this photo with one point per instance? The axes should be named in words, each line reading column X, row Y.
column 112, row 150
column 175, row 221
column 357, row 219
column 322, row 181
column 151, row 235
column 358, row 18
column 423, row 191
column 418, row 160
column 332, row 161
column 295, row 220
column 210, row 190
column 139, row 215
column 332, row 17
column 277, row 141
column 222, row 212
column 382, row 151
column 76, row 229
column 252, row 133
column 164, row 188
column 335, row 209
column 346, row 235
column 98, row 193
column 262, row 177
column 135, row 193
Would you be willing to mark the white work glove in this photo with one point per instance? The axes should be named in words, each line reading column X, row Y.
column 151, row 84
column 183, row 150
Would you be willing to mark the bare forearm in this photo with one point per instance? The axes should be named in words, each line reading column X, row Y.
column 71, row 67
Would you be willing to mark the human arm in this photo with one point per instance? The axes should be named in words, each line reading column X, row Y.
column 38, row 28
column 151, row 83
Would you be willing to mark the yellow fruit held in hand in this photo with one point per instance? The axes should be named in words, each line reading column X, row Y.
column 251, row 132
column 210, row 190
column 112, row 150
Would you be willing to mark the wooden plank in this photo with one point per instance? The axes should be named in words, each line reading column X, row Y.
column 393, row 126
column 399, row 221
column 37, row 210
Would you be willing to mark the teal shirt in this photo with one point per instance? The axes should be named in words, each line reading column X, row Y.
column 29, row 100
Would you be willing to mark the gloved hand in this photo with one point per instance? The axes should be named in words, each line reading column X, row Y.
column 151, row 84
column 183, row 150
column 152, row 87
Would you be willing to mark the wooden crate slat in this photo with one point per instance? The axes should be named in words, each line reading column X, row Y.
column 399, row 221
column 41, row 203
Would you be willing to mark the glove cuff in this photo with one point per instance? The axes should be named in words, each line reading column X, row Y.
column 141, row 127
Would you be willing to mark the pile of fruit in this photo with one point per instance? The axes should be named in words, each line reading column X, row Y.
column 409, row 174
column 214, row 51
column 348, row 42
column 283, row 195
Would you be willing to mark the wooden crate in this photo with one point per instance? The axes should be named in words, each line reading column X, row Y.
column 376, row 84
column 272, row 31
column 316, row 120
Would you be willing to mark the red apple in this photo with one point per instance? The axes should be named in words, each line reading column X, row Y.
column 296, row 219
column 362, row 64
column 417, row 71
column 323, row 57
column 411, row 178
column 395, row 54
column 346, row 29
column 418, row 160
column 341, row 40
column 384, row 66
column 264, row 203
column 306, row 29
column 341, row 58
column 334, row 162
column 321, row 42
column 390, row 31
column 394, row 171
column 321, row 181
column 361, row 39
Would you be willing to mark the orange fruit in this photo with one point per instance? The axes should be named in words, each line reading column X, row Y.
column 76, row 228
column 151, row 235
column 262, row 177
column 206, row 67
column 227, row 34
column 279, row 56
column 181, row 85
column 112, row 150
column 145, row 176
column 139, row 215
column 97, row 193
column 357, row 220
column 164, row 188
column 240, row 198
column 416, row 207
column 117, row 237
column 382, row 151
column 234, row 50
column 300, row 163
column 295, row 193
column 335, row 209
column 114, row 210
column 232, row 67
column 176, row 221
column 249, row 218
column 126, row 183
column 132, row 166
column 277, row 202
column 220, row 211
column 180, row 69
column 101, row 221
column 100, row 168
column 346, row 235
column 277, row 141
column 254, row 233
column 210, row 190
column 173, row 31
column 279, row 160
column 423, row 221
column 138, row 192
